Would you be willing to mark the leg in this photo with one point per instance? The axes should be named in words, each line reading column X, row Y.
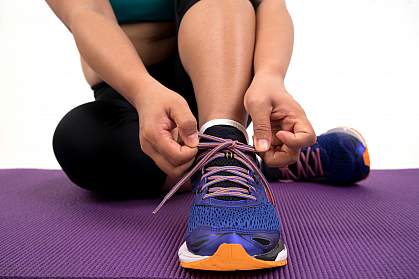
column 216, row 44
column 97, row 146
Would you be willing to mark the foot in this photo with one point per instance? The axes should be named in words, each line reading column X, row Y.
column 340, row 156
column 233, row 224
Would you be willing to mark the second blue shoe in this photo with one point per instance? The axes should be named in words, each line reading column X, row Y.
column 340, row 156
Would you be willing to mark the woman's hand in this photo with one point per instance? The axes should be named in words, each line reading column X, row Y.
column 280, row 125
column 168, row 129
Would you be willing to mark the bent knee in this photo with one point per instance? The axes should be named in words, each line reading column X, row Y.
column 75, row 143
column 99, row 151
column 76, row 133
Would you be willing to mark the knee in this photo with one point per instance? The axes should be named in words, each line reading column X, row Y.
column 97, row 146
column 75, row 145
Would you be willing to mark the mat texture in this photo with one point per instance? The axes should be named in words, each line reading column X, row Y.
column 51, row 228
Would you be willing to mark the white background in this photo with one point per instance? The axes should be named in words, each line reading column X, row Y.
column 355, row 63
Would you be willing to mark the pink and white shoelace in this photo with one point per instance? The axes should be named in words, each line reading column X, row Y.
column 304, row 168
column 213, row 150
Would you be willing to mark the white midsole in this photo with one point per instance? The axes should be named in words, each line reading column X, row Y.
column 186, row 256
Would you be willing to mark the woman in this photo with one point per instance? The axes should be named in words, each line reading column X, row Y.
column 161, row 70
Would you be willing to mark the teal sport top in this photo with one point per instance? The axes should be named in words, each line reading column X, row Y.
column 130, row 11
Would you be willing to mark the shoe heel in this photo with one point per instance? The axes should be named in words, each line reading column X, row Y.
column 356, row 134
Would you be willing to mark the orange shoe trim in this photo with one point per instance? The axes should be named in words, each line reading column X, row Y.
column 229, row 257
column 365, row 155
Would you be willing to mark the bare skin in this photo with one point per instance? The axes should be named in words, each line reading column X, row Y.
column 281, row 127
column 153, row 41
column 219, row 62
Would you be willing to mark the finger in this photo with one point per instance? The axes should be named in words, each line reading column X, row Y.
column 302, row 136
column 155, row 156
column 186, row 123
column 261, row 117
column 146, row 147
column 170, row 169
column 280, row 157
column 275, row 140
column 175, row 134
column 173, row 152
column 162, row 140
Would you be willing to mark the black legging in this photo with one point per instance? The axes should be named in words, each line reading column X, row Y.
column 97, row 143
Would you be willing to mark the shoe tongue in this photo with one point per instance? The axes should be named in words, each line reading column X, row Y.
column 226, row 132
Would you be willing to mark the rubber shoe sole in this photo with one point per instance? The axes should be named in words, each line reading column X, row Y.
column 228, row 257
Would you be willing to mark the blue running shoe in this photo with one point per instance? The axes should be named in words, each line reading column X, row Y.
column 340, row 156
column 233, row 223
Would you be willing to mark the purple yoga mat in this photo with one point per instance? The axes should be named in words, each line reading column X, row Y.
column 51, row 228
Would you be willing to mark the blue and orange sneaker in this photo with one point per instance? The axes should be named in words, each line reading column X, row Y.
column 233, row 223
column 340, row 156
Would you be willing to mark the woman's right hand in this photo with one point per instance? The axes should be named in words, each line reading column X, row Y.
column 168, row 129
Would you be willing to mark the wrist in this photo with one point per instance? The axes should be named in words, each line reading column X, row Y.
column 140, row 88
column 272, row 76
column 270, row 72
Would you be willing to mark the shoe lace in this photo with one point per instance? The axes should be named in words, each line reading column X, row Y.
column 304, row 168
column 238, row 175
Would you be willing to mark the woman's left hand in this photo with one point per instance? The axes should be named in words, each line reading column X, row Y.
column 281, row 127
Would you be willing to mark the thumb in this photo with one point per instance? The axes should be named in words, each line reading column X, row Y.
column 262, row 128
column 186, row 124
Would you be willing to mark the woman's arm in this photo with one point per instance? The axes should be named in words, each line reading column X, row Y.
column 280, row 125
column 109, row 52
column 104, row 45
column 274, row 38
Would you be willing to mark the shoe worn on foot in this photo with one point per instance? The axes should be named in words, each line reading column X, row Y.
column 233, row 224
column 340, row 156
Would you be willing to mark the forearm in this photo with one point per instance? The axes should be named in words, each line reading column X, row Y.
column 104, row 46
column 274, row 38
column 109, row 52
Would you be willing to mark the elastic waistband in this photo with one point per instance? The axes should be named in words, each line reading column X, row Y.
column 103, row 91
column 99, row 85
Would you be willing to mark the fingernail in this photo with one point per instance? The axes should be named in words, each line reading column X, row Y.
column 193, row 139
column 262, row 145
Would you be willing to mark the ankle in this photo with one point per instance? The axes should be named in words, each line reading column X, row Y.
column 239, row 118
column 225, row 128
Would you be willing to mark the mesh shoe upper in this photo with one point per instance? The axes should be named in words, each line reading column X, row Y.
column 250, row 220
column 336, row 157
column 261, row 217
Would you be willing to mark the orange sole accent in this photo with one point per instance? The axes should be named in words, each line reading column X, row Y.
column 366, row 155
column 229, row 257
